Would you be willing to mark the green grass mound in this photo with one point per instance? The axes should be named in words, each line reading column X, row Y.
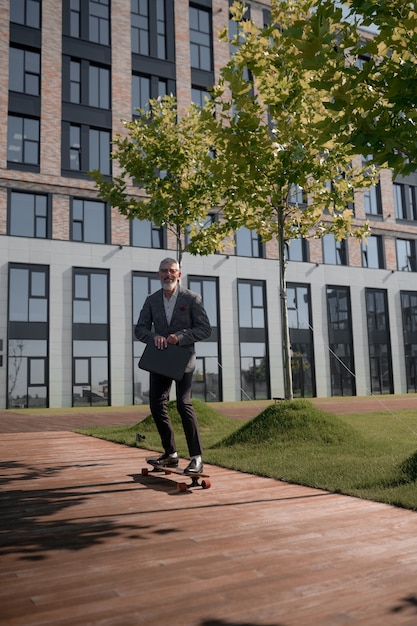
column 207, row 416
column 213, row 426
column 292, row 421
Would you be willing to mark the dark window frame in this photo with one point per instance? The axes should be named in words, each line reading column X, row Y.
column 405, row 201
column 411, row 256
column 339, row 328
column 23, row 146
column 373, row 257
column 80, row 223
column 197, row 35
column 379, row 340
column 90, row 331
column 20, row 65
column 257, row 250
column 82, row 21
column 37, row 216
column 339, row 254
column 254, row 334
column 157, row 235
column 30, row 10
column 83, row 151
column 29, row 329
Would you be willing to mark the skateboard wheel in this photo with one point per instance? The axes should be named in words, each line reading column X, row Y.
column 182, row 487
column 205, row 483
column 145, row 471
column 167, row 472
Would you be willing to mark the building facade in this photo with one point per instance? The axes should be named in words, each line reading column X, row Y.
column 74, row 273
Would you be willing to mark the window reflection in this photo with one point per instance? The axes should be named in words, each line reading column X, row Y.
column 27, row 373
column 90, row 338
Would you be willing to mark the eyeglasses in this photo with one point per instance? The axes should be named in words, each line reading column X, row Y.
column 163, row 270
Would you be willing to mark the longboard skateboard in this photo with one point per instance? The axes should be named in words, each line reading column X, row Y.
column 195, row 478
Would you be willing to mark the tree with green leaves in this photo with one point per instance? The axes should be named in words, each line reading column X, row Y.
column 376, row 98
column 298, row 101
column 164, row 177
column 270, row 126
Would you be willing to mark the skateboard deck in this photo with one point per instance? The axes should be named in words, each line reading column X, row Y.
column 195, row 478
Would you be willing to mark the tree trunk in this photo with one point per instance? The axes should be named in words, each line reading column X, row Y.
column 286, row 346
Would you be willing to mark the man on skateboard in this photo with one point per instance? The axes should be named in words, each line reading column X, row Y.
column 174, row 315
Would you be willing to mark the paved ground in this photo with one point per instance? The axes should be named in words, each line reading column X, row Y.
column 87, row 540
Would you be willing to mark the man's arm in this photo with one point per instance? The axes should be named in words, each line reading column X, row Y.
column 143, row 328
column 200, row 327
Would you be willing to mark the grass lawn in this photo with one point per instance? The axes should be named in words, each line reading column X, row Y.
column 372, row 455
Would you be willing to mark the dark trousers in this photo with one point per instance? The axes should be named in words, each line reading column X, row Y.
column 159, row 389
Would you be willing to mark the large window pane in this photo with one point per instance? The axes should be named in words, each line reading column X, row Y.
column 28, row 215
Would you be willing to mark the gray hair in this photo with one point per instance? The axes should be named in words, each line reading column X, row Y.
column 169, row 261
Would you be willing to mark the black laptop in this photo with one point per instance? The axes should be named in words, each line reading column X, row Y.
column 170, row 362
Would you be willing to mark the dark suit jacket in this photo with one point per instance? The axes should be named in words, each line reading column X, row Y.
column 189, row 320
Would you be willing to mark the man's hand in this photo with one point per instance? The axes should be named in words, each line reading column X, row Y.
column 172, row 339
column 160, row 342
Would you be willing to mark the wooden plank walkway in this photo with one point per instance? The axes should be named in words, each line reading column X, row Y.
column 87, row 540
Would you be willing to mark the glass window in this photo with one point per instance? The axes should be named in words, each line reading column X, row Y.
column 75, row 147
column 28, row 300
column 89, row 20
column 75, row 82
column 301, row 340
column 199, row 96
column 296, row 249
column 251, row 306
column 200, row 39
column 149, row 28
column 206, row 378
column 405, row 201
column 28, row 315
column 99, row 21
column 161, row 29
column 26, row 12
column 339, row 319
column 248, row 243
column 28, row 374
column 28, row 215
column 23, row 140
column 253, row 370
column 141, row 93
column 89, row 221
column 145, row 88
column 254, row 367
column 90, row 334
column 145, row 234
column 399, row 201
column 409, row 318
column 75, row 18
column 372, row 200
column 99, row 150
column 24, row 71
column 372, row 252
column 140, row 26
column 334, row 252
column 99, row 87
column 207, row 288
column 409, row 311
column 298, row 303
column 379, row 341
column 406, row 255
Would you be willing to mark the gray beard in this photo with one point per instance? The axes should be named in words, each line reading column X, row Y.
column 169, row 286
